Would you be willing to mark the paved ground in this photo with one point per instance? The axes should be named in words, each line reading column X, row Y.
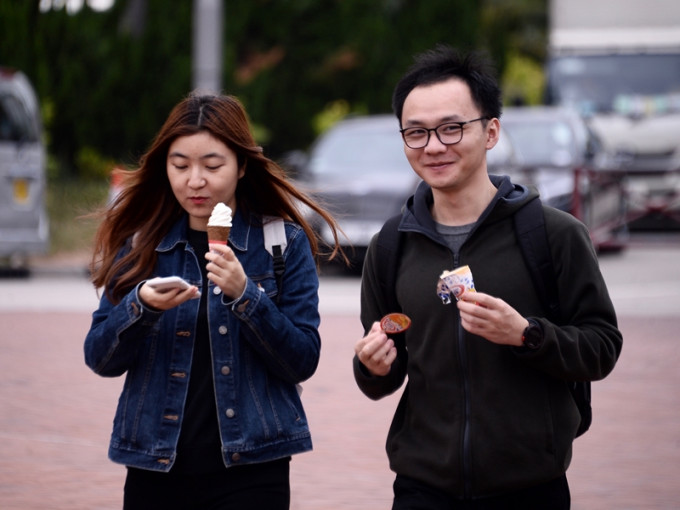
column 55, row 418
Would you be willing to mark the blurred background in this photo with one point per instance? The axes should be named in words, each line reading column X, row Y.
column 105, row 74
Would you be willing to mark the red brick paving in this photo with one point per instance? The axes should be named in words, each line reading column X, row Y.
column 55, row 419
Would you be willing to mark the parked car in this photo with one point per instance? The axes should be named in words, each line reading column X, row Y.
column 24, row 228
column 358, row 170
column 554, row 150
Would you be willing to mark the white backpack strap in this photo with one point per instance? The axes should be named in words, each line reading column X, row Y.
column 274, row 234
column 275, row 242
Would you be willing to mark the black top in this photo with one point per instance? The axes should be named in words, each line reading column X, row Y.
column 199, row 446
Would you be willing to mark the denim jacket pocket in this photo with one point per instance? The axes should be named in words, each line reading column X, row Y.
column 266, row 283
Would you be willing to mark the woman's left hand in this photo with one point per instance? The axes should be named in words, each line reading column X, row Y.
column 225, row 270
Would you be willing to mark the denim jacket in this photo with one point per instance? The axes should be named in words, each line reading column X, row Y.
column 261, row 351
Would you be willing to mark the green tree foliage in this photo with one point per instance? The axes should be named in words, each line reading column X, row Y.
column 103, row 86
column 108, row 79
column 326, row 51
column 516, row 34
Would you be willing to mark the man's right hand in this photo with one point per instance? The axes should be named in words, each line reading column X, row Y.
column 376, row 351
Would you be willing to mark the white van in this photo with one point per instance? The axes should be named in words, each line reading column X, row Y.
column 24, row 227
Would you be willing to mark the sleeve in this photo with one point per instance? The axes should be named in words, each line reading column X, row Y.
column 117, row 332
column 372, row 309
column 587, row 343
column 285, row 334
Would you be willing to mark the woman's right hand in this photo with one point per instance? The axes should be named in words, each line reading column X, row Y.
column 166, row 299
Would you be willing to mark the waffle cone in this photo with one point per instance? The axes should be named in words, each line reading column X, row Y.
column 218, row 234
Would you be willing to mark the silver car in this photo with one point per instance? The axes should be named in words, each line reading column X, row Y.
column 24, row 228
column 358, row 170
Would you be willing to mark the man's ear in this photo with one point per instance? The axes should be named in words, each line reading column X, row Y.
column 493, row 133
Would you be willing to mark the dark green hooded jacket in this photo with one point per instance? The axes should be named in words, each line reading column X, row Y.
column 479, row 419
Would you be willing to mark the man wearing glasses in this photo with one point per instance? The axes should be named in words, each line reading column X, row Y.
column 486, row 420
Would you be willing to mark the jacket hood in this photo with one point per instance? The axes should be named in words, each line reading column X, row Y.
column 509, row 197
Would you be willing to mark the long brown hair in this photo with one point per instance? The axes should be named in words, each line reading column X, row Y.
column 146, row 208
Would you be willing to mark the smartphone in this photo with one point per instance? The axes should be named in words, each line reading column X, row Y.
column 165, row 283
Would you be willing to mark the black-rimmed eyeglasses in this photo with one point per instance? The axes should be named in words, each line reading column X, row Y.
column 449, row 133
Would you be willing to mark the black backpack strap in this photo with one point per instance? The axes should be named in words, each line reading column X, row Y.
column 279, row 268
column 533, row 241
column 275, row 242
column 388, row 245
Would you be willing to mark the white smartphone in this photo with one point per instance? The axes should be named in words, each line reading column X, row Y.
column 165, row 283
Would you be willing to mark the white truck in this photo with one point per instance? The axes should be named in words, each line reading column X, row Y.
column 618, row 63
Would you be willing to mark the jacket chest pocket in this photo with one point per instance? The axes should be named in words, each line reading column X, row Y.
column 266, row 283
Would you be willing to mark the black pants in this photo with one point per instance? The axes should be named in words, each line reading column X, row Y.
column 249, row 487
column 411, row 494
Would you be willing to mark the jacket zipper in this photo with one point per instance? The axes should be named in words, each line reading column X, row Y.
column 466, row 450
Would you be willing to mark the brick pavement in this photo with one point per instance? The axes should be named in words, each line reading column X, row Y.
column 55, row 418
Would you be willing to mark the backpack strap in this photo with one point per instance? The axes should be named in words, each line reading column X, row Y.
column 275, row 243
column 388, row 246
column 533, row 241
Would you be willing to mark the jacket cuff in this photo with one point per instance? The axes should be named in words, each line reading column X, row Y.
column 248, row 300
column 373, row 386
column 137, row 309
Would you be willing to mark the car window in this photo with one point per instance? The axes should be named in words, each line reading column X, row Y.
column 15, row 121
column 353, row 151
column 544, row 143
column 602, row 83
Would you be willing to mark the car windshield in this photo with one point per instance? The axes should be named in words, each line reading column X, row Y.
column 541, row 142
column 351, row 152
column 15, row 121
column 605, row 83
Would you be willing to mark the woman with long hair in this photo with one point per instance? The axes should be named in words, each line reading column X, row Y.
column 210, row 411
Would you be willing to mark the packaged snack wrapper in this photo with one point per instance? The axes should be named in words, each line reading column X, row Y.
column 455, row 283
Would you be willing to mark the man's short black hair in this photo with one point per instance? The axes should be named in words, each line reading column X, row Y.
column 443, row 63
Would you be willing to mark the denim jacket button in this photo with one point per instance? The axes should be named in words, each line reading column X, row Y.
column 225, row 370
column 216, row 290
column 230, row 413
column 236, row 457
column 223, row 330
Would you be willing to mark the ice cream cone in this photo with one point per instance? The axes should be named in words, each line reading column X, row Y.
column 219, row 224
column 218, row 234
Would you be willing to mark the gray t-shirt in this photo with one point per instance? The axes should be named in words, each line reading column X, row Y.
column 454, row 236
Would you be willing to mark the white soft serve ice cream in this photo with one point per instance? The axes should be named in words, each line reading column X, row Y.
column 221, row 216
